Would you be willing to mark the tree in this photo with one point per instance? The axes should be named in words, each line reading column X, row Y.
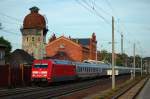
column 105, row 56
column 138, row 61
column 7, row 44
column 121, row 59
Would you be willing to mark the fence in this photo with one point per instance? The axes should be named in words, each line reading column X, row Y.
column 15, row 76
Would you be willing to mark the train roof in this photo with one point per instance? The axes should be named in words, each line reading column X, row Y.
column 101, row 65
column 87, row 64
column 56, row 61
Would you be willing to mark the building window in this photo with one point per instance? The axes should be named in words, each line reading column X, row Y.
column 1, row 55
column 39, row 38
column 27, row 39
column 62, row 46
column 32, row 38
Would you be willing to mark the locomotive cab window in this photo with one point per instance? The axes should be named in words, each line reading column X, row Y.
column 40, row 66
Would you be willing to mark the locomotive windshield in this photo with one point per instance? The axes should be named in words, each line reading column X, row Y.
column 40, row 66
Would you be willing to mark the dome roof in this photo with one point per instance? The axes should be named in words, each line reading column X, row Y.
column 34, row 19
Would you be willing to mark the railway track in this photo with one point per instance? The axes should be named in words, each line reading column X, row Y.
column 131, row 91
column 53, row 91
column 8, row 92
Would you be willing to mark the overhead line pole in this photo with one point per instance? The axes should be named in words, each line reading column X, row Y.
column 121, row 43
column 141, row 65
column 113, row 55
column 134, row 61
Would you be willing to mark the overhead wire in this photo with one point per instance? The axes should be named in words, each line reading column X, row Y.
column 95, row 11
column 110, row 6
column 17, row 22
column 10, row 32
column 118, row 21
column 80, row 3
column 100, row 8
column 9, row 22
column 13, row 18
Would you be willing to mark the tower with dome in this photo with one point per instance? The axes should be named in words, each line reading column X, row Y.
column 34, row 32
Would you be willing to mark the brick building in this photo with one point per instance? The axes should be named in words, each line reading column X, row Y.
column 75, row 49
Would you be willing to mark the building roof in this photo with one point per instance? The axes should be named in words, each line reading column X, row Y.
column 20, row 57
column 34, row 20
column 82, row 41
column 2, row 46
column 147, row 58
column 67, row 39
column 60, row 55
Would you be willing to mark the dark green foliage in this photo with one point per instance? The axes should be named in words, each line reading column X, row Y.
column 105, row 56
column 7, row 44
column 120, row 59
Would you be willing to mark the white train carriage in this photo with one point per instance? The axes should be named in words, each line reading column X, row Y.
column 90, row 69
column 123, row 70
column 87, row 70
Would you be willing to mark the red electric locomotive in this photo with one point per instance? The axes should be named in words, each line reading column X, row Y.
column 53, row 71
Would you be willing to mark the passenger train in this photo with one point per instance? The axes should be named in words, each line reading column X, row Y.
column 52, row 70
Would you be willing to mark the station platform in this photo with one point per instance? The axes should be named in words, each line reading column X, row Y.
column 145, row 92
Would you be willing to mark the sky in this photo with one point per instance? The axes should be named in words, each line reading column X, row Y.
column 80, row 18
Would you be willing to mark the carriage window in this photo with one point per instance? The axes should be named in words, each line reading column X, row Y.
column 79, row 69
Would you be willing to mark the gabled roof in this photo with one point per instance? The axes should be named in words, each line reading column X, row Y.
column 62, row 37
column 82, row 41
column 19, row 56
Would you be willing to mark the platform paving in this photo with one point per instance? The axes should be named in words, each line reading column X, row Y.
column 145, row 92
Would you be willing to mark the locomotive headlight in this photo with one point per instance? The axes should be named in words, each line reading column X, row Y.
column 34, row 72
column 44, row 75
column 43, row 72
column 33, row 75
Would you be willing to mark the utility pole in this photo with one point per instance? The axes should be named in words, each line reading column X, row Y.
column 124, row 60
column 96, row 53
column 0, row 26
column 141, row 65
column 134, row 61
column 113, row 55
column 121, row 43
